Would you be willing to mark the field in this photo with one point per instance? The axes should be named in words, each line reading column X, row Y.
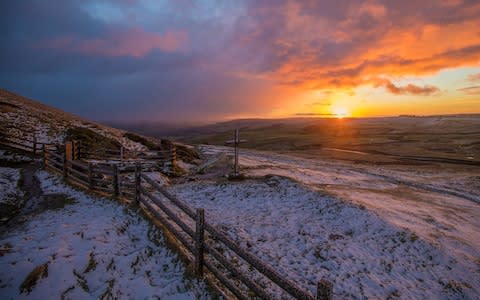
column 405, row 191
column 376, row 140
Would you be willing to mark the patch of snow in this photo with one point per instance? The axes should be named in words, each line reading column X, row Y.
column 93, row 247
column 11, row 156
column 158, row 177
column 309, row 235
column 442, row 207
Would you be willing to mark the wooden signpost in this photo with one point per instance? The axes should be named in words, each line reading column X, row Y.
column 236, row 141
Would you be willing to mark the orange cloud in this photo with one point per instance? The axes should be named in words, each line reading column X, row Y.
column 133, row 42
column 408, row 89
column 471, row 90
column 474, row 77
column 321, row 45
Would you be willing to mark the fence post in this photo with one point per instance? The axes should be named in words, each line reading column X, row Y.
column 65, row 167
column 173, row 157
column 324, row 290
column 115, row 180
column 44, row 152
column 90, row 176
column 34, row 145
column 199, row 235
column 138, row 178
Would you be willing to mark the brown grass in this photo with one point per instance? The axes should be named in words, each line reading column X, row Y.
column 31, row 280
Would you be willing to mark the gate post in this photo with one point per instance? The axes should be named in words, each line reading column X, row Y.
column 199, row 235
column 138, row 178
column 324, row 290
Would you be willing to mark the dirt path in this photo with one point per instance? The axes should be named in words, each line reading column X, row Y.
column 32, row 196
column 30, row 184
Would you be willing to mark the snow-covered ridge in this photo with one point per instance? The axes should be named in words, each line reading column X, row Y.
column 23, row 118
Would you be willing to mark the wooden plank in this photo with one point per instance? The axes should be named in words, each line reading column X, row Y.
column 78, row 174
column 44, row 156
column 127, row 185
column 90, row 176
column 83, row 166
column 101, row 181
column 54, row 162
column 128, row 195
column 34, row 146
column 232, row 287
column 162, row 158
column 53, row 154
column 199, row 236
column 112, row 151
column 168, row 212
column 324, row 290
column 99, row 188
column 78, row 181
column 138, row 181
column 236, row 272
column 60, row 171
column 184, row 207
column 115, row 180
column 263, row 268
column 19, row 142
column 167, row 224
column 17, row 146
column 103, row 171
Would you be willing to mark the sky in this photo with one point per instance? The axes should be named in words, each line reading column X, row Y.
column 186, row 61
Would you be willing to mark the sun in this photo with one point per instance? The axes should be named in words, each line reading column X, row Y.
column 340, row 112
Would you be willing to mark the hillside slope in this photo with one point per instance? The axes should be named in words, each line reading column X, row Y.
column 21, row 117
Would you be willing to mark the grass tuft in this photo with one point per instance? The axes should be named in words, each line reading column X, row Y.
column 31, row 280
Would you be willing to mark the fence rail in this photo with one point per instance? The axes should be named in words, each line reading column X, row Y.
column 91, row 151
column 27, row 145
column 192, row 231
column 194, row 241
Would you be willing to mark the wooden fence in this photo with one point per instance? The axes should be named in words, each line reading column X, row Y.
column 205, row 254
column 30, row 146
column 105, row 178
column 189, row 227
column 165, row 156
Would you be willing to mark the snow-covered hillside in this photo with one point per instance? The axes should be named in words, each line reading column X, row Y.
column 374, row 232
column 84, row 247
column 22, row 117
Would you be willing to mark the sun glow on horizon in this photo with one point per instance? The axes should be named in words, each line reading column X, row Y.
column 340, row 112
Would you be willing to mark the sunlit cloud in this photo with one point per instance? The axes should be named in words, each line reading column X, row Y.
column 471, row 90
column 474, row 77
column 408, row 89
column 225, row 58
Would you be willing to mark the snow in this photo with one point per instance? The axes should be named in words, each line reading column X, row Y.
column 441, row 206
column 93, row 247
column 10, row 156
column 48, row 125
column 310, row 235
column 9, row 194
column 374, row 231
